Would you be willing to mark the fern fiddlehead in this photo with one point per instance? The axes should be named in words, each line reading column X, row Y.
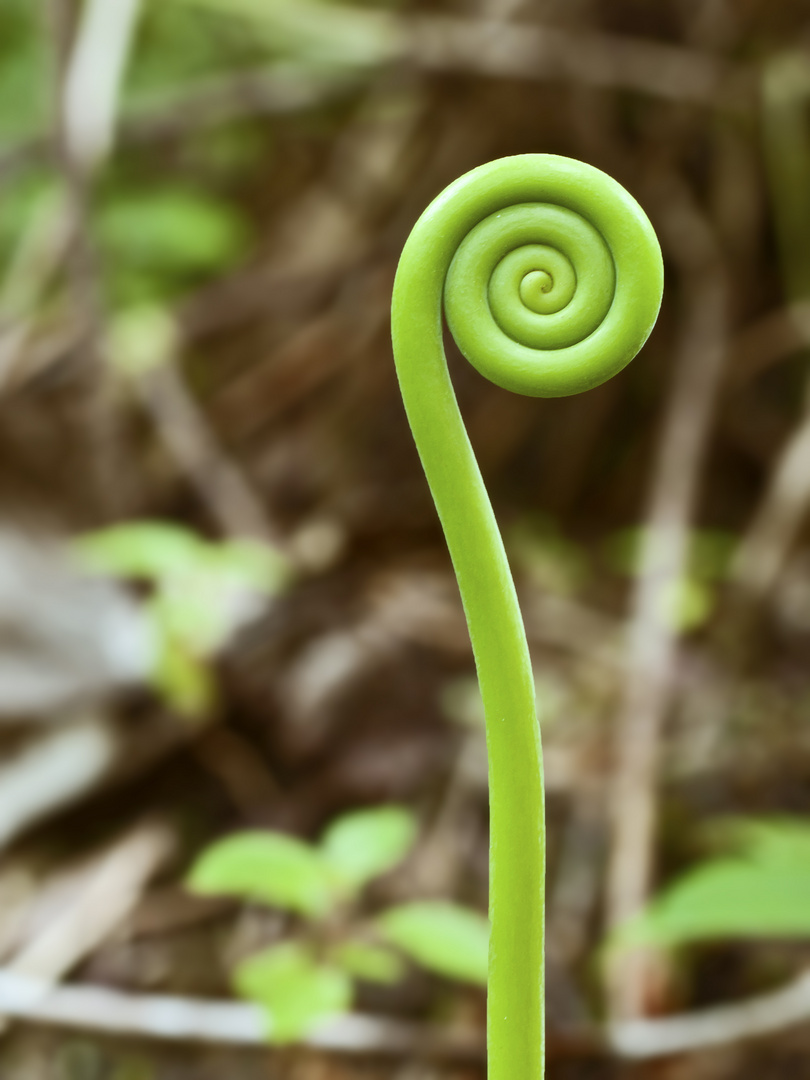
column 551, row 277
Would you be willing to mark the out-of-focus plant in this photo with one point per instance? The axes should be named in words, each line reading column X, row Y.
column 760, row 891
column 320, row 33
column 162, row 240
column 550, row 559
column 301, row 981
column 201, row 592
column 688, row 603
column 177, row 46
column 24, row 93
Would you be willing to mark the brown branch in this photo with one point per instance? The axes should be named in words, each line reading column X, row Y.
column 722, row 1025
column 652, row 639
column 224, row 1023
column 765, row 547
column 527, row 51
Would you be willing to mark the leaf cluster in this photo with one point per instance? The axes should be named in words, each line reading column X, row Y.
column 200, row 593
column 303, row 981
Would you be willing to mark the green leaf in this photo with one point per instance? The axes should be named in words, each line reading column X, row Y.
column 158, row 239
column 184, row 681
column 762, row 892
column 268, row 867
column 296, row 993
column 369, row 962
column 148, row 549
column 443, row 937
column 246, row 564
column 366, row 843
column 160, row 551
column 203, row 590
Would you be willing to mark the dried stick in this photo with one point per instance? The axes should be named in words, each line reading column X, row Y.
column 652, row 638
column 765, row 1014
column 766, row 545
column 107, row 894
column 75, row 760
column 218, row 480
column 57, row 768
column 109, row 890
column 93, row 79
column 529, row 51
column 90, row 65
column 224, row 1023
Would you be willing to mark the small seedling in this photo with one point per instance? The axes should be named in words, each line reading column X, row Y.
column 305, row 979
column 551, row 278
column 201, row 592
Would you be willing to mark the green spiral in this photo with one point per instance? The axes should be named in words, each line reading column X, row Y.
column 551, row 277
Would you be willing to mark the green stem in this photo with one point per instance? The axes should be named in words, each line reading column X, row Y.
column 552, row 277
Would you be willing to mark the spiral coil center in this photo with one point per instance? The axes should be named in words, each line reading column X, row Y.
column 534, row 287
column 550, row 273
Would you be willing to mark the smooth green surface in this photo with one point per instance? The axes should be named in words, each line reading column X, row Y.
column 463, row 248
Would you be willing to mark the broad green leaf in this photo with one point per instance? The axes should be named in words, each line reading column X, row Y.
column 762, row 892
column 366, row 843
column 156, row 240
column 161, row 552
column 443, row 937
column 296, row 992
column 369, row 962
column 268, row 867
column 148, row 549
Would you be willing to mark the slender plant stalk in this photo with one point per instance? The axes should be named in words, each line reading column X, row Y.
column 551, row 276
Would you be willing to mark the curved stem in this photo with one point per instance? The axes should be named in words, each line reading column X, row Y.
column 515, row 1007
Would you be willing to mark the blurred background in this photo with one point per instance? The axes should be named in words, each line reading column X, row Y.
column 226, row 609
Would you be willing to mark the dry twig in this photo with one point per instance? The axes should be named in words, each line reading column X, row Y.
column 652, row 639
column 224, row 1023
column 766, row 1014
column 526, row 51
